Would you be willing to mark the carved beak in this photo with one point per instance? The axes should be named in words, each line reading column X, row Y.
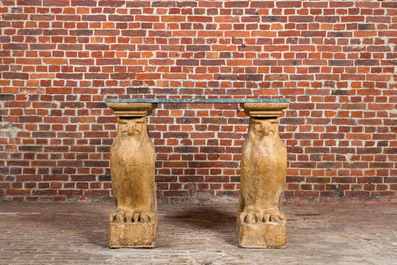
column 130, row 130
column 266, row 130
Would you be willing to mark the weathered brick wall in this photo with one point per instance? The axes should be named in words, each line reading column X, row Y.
column 59, row 59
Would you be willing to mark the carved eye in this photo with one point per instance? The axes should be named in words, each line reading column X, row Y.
column 258, row 127
column 138, row 126
column 123, row 127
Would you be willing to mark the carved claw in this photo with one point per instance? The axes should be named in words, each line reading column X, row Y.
column 112, row 217
column 128, row 216
column 278, row 217
column 274, row 217
column 136, row 217
column 266, row 218
column 121, row 216
column 144, row 217
column 253, row 216
column 243, row 215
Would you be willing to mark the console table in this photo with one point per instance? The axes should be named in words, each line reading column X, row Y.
column 260, row 223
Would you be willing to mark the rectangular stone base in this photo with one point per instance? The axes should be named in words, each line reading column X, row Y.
column 262, row 235
column 134, row 235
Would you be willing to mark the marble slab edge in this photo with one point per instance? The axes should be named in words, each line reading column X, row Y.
column 200, row 100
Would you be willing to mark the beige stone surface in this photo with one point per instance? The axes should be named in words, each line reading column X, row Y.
column 262, row 235
column 260, row 222
column 137, row 235
column 264, row 109
column 132, row 109
column 132, row 158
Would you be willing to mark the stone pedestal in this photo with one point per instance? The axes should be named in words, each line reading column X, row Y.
column 136, row 235
column 260, row 222
column 132, row 158
column 262, row 235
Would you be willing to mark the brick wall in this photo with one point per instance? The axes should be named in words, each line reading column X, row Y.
column 59, row 60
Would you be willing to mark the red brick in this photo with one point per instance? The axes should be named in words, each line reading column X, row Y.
column 56, row 2
column 15, row 75
column 15, row 46
column 61, row 60
column 288, row 4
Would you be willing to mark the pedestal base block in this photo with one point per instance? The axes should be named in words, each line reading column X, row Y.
column 262, row 235
column 134, row 235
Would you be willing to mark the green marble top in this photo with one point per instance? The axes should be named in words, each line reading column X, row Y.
column 199, row 100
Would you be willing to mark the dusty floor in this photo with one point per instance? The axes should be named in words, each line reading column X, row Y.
column 197, row 233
